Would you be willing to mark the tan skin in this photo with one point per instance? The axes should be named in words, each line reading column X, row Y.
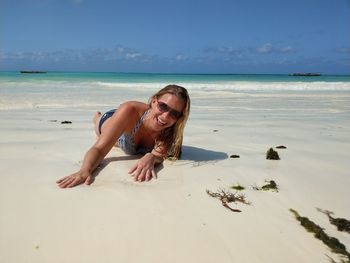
column 123, row 121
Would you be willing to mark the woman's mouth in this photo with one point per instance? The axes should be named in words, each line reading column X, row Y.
column 160, row 122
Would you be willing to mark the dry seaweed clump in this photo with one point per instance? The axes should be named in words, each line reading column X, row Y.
column 342, row 224
column 271, row 154
column 271, row 185
column 333, row 243
column 227, row 197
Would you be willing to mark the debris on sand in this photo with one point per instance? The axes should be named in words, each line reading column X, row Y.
column 333, row 243
column 271, row 185
column 227, row 197
column 271, row 154
column 281, row 147
column 237, row 187
column 342, row 224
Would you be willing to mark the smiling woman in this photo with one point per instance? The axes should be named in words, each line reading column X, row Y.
column 154, row 129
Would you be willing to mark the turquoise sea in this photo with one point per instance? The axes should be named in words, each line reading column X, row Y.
column 170, row 78
column 103, row 90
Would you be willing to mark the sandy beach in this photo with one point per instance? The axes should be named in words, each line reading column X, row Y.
column 173, row 219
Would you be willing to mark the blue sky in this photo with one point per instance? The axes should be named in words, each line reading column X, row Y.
column 178, row 36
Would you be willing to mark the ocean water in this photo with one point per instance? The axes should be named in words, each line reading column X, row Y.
column 103, row 90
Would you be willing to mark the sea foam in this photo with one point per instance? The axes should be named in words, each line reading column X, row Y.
column 33, row 94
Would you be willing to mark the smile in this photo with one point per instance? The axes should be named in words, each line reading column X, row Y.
column 160, row 121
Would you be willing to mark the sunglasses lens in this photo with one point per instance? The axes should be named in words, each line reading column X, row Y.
column 175, row 114
column 163, row 107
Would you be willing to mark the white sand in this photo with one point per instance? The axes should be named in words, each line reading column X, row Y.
column 172, row 219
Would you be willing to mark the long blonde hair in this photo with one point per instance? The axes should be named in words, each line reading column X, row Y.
column 171, row 137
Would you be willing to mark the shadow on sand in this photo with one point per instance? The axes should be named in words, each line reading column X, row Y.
column 190, row 154
column 201, row 156
column 108, row 160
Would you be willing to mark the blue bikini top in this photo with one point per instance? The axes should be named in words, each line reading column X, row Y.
column 126, row 141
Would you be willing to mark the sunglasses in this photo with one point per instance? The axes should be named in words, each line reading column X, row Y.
column 163, row 107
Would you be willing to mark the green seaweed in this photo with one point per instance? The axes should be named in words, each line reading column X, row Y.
column 341, row 260
column 333, row 243
column 281, row 147
column 342, row 224
column 271, row 185
column 271, row 154
column 237, row 187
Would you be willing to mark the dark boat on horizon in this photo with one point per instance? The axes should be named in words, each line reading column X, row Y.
column 32, row 71
column 305, row 74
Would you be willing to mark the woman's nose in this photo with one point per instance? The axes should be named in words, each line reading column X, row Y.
column 166, row 115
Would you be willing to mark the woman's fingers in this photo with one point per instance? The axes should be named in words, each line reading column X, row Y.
column 64, row 182
column 154, row 175
column 88, row 180
column 73, row 180
column 148, row 175
column 139, row 175
column 144, row 175
column 132, row 170
column 62, row 179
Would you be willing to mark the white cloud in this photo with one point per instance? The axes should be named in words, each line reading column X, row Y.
column 132, row 55
column 287, row 49
column 265, row 49
column 343, row 50
column 181, row 57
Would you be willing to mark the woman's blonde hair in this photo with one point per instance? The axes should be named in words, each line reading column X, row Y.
column 171, row 137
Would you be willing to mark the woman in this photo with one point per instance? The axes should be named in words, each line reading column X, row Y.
column 155, row 129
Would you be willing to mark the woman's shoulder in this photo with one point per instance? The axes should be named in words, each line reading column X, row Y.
column 133, row 107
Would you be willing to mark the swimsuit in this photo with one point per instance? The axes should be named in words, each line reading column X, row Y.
column 126, row 141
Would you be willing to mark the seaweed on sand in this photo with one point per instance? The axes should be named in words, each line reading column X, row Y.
column 333, row 243
column 237, row 187
column 342, row 224
column 271, row 185
column 227, row 197
column 281, row 147
column 341, row 260
column 271, row 154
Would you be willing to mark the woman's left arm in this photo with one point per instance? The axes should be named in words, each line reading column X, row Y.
column 143, row 170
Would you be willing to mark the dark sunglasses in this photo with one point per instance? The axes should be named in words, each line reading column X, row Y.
column 163, row 107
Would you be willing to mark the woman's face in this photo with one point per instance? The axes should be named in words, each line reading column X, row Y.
column 167, row 109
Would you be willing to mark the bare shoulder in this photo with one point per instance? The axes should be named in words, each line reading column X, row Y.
column 133, row 108
column 129, row 113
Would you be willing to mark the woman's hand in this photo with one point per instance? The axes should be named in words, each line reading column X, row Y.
column 75, row 179
column 144, row 168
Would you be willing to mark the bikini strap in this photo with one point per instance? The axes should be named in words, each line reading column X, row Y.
column 138, row 124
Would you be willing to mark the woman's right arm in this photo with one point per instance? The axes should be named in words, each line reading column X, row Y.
column 111, row 131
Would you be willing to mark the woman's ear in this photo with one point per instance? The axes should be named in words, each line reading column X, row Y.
column 154, row 100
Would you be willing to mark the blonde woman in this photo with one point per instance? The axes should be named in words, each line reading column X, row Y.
column 155, row 129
